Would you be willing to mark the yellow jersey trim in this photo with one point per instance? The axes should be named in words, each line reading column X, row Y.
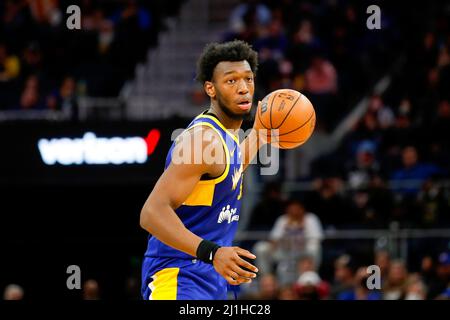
column 227, row 155
column 220, row 125
column 165, row 284
column 202, row 195
column 203, row 192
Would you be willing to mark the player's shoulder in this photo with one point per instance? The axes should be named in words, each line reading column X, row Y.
column 199, row 135
column 199, row 144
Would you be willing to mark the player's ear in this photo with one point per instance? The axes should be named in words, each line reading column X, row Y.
column 209, row 89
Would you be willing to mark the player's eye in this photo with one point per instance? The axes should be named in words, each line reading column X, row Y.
column 231, row 81
column 250, row 79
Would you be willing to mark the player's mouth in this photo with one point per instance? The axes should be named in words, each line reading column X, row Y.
column 244, row 104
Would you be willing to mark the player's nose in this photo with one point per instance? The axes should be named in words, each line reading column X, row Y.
column 243, row 87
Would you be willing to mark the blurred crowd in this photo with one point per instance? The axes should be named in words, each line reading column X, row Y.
column 297, row 261
column 90, row 291
column 320, row 48
column 351, row 280
column 391, row 169
column 44, row 65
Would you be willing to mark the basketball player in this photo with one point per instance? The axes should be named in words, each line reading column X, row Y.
column 193, row 211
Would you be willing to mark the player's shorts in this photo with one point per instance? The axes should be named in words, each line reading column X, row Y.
column 181, row 279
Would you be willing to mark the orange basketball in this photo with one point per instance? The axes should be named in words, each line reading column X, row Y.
column 291, row 113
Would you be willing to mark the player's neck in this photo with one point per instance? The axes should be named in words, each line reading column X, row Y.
column 227, row 121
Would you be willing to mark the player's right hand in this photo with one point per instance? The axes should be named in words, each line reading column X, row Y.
column 262, row 132
column 229, row 264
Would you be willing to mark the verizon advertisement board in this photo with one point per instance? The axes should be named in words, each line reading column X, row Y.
column 92, row 150
column 66, row 153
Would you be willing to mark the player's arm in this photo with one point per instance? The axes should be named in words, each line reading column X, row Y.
column 250, row 147
column 253, row 142
column 172, row 189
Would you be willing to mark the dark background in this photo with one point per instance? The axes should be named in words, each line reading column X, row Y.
column 56, row 216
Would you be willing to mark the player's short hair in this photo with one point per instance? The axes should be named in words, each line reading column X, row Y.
column 214, row 53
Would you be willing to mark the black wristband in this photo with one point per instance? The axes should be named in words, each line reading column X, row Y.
column 206, row 251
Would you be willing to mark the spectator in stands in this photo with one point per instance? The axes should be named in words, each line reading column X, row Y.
column 133, row 11
column 429, row 277
column 275, row 40
column 384, row 115
column 344, row 270
column 364, row 167
column 329, row 204
column 133, row 24
column 321, row 86
column 9, row 78
column 91, row 290
column 434, row 207
column 444, row 295
column 64, row 99
column 310, row 286
column 302, row 45
column 270, row 207
column 364, row 210
column 443, row 274
column 30, row 98
column 268, row 289
column 14, row 16
column 382, row 259
column 367, row 129
column 415, row 288
column 413, row 173
column 32, row 60
column 13, row 292
column 443, row 67
column 288, row 293
column 440, row 145
column 96, row 21
column 249, row 15
column 360, row 290
column 321, row 77
column 401, row 134
column 395, row 285
column 46, row 12
column 295, row 234
column 376, row 211
column 9, row 65
column 306, row 263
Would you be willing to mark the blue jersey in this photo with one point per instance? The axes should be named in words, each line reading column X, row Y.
column 212, row 209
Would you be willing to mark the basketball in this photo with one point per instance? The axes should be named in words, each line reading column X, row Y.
column 291, row 114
